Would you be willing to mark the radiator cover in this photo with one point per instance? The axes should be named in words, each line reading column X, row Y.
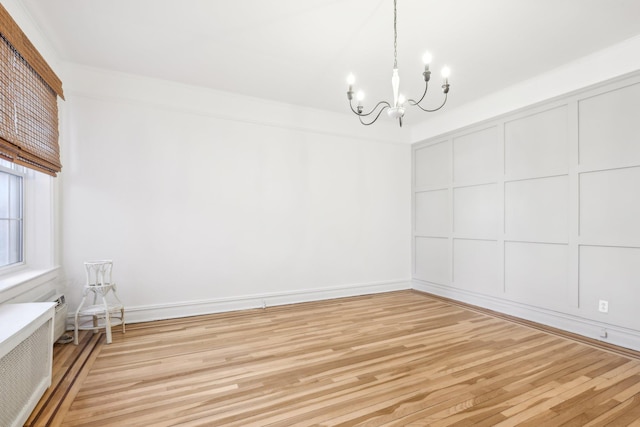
column 26, row 346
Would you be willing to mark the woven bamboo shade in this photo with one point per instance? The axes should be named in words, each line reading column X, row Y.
column 28, row 102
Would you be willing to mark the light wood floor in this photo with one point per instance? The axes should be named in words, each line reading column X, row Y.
column 395, row 359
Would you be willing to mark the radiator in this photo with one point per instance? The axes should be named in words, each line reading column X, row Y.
column 26, row 349
column 60, row 319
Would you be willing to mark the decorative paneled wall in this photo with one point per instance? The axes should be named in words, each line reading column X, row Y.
column 537, row 212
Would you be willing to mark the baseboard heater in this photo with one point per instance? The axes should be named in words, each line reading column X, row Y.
column 26, row 354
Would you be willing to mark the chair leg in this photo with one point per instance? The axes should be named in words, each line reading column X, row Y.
column 122, row 318
column 107, row 319
column 75, row 329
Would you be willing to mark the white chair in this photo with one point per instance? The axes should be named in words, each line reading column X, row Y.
column 106, row 312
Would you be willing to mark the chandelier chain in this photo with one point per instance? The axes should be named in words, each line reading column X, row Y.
column 395, row 35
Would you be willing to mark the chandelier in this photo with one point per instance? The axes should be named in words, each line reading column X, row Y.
column 397, row 108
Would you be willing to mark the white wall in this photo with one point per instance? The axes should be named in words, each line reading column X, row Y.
column 208, row 201
column 535, row 212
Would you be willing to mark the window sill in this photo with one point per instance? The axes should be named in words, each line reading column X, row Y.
column 23, row 280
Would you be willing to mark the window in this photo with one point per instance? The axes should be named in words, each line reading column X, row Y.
column 27, row 230
column 11, row 218
column 29, row 158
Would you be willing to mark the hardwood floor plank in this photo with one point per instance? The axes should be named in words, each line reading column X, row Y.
column 396, row 359
column 71, row 365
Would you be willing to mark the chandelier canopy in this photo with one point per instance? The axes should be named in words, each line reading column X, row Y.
column 396, row 108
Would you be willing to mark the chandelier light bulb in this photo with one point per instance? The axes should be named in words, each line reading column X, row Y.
column 360, row 96
column 446, row 72
column 426, row 58
column 351, row 79
column 401, row 99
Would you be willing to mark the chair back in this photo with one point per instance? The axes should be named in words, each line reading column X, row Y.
column 98, row 273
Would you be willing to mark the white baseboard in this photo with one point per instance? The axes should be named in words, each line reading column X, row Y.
column 616, row 335
column 147, row 313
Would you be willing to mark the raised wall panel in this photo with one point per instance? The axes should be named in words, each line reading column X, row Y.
column 610, row 207
column 609, row 128
column 432, row 213
column 433, row 166
column 432, row 260
column 537, row 210
column 475, row 266
column 537, row 145
column 543, row 212
column 475, row 211
column 475, row 156
column 611, row 274
column 537, row 273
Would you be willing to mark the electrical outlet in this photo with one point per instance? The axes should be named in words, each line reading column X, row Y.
column 603, row 306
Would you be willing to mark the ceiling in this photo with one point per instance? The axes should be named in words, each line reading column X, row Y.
column 300, row 51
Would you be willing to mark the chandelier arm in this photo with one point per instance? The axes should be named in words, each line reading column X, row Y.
column 386, row 105
column 378, row 115
column 413, row 102
column 435, row 109
column 351, row 105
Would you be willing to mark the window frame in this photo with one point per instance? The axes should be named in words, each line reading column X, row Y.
column 39, row 264
column 19, row 171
